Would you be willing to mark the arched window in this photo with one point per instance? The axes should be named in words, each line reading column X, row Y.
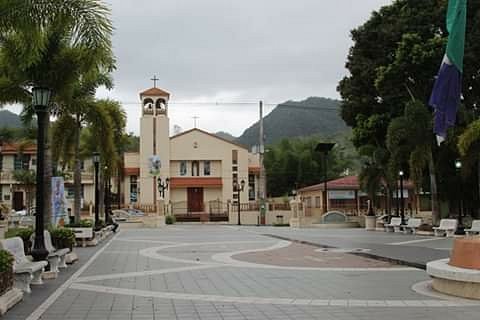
column 160, row 105
column 195, row 169
column 148, row 105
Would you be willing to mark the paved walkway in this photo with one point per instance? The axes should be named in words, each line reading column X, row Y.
column 413, row 250
column 219, row 272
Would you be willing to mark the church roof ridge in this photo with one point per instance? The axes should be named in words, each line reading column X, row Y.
column 210, row 134
column 154, row 91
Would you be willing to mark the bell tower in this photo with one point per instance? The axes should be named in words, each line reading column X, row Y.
column 154, row 144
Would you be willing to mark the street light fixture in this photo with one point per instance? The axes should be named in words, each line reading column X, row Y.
column 325, row 148
column 40, row 100
column 402, row 206
column 96, row 162
column 163, row 186
column 460, row 228
column 239, row 188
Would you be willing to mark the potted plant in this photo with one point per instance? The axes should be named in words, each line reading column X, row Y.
column 6, row 272
column 62, row 238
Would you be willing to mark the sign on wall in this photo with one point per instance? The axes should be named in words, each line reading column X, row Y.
column 341, row 194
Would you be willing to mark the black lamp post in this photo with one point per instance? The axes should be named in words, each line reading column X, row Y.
column 325, row 148
column 402, row 207
column 239, row 188
column 107, row 197
column 41, row 100
column 96, row 162
column 460, row 228
column 162, row 186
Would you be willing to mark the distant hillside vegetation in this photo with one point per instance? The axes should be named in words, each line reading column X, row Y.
column 313, row 116
column 225, row 135
column 9, row 119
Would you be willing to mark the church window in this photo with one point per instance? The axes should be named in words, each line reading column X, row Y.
column 183, row 168
column 234, row 157
column 195, row 169
column 206, row 168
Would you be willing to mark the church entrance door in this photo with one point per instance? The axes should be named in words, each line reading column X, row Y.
column 195, row 199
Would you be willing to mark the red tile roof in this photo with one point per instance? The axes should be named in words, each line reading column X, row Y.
column 345, row 183
column 195, row 182
column 254, row 169
column 131, row 171
column 11, row 148
column 155, row 92
column 210, row 134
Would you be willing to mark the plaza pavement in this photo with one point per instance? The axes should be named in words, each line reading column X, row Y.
column 232, row 273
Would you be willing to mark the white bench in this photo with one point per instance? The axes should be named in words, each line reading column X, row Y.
column 447, row 227
column 56, row 258
column 394, row 225
column 412, row 226
column 83, row 234
column 475, row 229
column 26, row 271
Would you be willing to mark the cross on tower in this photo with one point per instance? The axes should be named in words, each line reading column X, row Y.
column 154, row 79
column 195, row 118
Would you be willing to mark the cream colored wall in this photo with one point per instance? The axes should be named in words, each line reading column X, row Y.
column 131, row 160
column 178, row 195
column 146, row 150
column 215, row 169
column 251, row 217
column 163, row 149
column 211, row 194
column 8, row 162
column 211, row 148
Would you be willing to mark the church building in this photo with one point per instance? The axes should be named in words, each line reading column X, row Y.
column 193, row 172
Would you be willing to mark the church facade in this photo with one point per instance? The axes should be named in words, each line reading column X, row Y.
column 191, row 172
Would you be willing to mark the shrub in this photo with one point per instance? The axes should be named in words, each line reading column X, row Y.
column 6, row 271
column 63, row 238
column 25, row 234
column 281, row 225
column 170, row 219
column 84, row 223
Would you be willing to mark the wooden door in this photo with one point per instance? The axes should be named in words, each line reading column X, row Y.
column 17, row 200
column 195, row 199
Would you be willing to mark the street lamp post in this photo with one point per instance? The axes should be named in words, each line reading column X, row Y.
column 402, row 206
column 107, row 197
column 96, row 162
column 325, row 148
column 41, row 100
column 460, row 228
column 239, row 188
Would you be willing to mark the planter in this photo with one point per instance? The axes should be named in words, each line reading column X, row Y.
column 370, row 223
column 6, row 281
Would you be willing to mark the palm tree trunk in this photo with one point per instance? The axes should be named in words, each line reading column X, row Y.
column 433, row 189
column 77, row 173
column 478, row 172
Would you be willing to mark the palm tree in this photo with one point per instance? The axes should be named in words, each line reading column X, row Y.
column 51, row 48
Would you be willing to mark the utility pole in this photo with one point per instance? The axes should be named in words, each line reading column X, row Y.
column 262, row 182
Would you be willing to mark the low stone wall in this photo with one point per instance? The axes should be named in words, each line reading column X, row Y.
column 252, row 217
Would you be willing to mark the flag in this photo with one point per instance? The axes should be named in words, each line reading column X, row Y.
column 447, row 90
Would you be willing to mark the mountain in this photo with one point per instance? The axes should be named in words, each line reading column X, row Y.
column 313, row 116
column 9, row 119
column 225, row 135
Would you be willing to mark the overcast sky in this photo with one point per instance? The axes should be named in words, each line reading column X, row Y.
column 231, row 50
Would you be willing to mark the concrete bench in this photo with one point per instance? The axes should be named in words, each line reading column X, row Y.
column 412, row 226
column 394, row 225
column 83, row 234
column 475, row 229
column 26, row 271
column 447, row 227
column 60, row 253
